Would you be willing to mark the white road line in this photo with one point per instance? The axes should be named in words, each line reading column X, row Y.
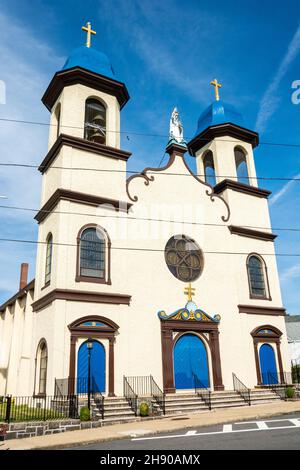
column 262, row 425
column 212, row 433
column 266, row 421
column 227, row 427
column 191, row 433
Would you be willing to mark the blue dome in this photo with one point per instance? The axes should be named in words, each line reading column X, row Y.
column 90, row 59
column 219, row 113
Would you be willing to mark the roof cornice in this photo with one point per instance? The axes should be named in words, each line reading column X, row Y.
column 85, row 77
column 81, row 144
column 222, row 130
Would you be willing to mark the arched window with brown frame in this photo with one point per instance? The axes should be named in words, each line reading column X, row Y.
column 241, row 165
column 95, row 121
column 93, row 255
column 258, row 277
column 41, row 368
column 209, row 168
column 48, row 262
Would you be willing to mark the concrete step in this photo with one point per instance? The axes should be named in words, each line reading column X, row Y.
column 188, row 409
column 229, row 405
column 116, row 409
column 184, row 405
column 108, row 414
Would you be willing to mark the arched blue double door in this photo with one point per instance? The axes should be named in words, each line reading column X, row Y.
column 268, row 369
column 190, row 357
column 97, row 368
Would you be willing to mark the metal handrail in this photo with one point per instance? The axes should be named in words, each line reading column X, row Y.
column 277, row 387
column 158, row 395
column 203, row 392
column 241, row 389
column 98, row 397
column 130, row 396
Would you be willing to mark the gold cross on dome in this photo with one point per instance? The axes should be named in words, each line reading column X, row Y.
column 89, row 31
column 189, row 291
column 217, row 86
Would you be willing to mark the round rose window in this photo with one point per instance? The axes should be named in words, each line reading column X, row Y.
column 184, row 258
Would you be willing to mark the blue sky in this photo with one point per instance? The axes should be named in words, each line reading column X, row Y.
column 166, row 53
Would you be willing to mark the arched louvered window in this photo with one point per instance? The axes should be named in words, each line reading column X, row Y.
column 41, row 367
column 209, row 168
column 241, row 165
column 257, row 275
column 95, row 121
column 48, row 264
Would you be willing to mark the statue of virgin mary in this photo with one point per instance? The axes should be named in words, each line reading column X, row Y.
column 176, row 128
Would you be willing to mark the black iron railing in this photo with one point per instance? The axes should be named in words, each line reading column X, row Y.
column 97, row 397
column 158, row 395
column 145, row 386
column 130, row 395
column 44, row 408
column 280, row 378
column 277, row 384
column 141, row 385
column 241, row 389
column 296, row 374
column 202, row 391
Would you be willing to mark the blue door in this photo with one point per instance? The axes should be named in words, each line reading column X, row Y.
column 97, row 359
column 268, row 368
column 190, row 357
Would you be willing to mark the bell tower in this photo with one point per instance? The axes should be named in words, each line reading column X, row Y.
column 85, row 100
column 84, row 171
column 223, row 147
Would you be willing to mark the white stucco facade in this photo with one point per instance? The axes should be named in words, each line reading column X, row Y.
column 140, row 284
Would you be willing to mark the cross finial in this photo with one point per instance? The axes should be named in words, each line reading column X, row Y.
column 217, row 86
column 89, row 31
column 189, row 291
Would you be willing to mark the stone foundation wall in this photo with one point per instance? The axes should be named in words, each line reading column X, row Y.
column 41, row 428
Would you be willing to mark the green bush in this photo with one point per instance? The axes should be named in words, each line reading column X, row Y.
column 144, row 409
column 290, row 392
column 84, row 414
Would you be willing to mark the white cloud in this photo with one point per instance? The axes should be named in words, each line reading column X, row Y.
column 292, row 272
column 283, row 191
column 27, row 65
column 270, row 100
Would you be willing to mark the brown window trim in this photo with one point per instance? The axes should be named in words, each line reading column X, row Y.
column 106, row 279
column 47, row 284
column 78, row 330
column 267, row 296
column 267, row 338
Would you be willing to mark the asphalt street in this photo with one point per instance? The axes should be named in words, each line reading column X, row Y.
column 280, row 433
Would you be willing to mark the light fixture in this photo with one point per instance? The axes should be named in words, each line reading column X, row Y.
column 90, row 343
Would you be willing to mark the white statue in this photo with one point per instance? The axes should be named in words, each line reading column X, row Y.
column 176, row 128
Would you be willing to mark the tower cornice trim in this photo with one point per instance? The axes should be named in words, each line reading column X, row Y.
column 80, row 296
column 81, row 144
column 247, row 232
column 222, row 130
column 85, row 77
column 80, row 198
column 241, row 187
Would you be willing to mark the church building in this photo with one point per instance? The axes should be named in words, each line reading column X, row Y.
column 165, row 273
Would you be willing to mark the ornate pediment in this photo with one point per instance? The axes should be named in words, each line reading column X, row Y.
column 189, row 313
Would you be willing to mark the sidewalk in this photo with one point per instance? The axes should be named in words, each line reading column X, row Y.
column 121, row 431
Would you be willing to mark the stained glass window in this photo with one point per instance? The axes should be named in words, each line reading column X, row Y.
column 43, row 368
column 184, row 258
column 256, row 276
column 92, row 253
column 48, row 259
